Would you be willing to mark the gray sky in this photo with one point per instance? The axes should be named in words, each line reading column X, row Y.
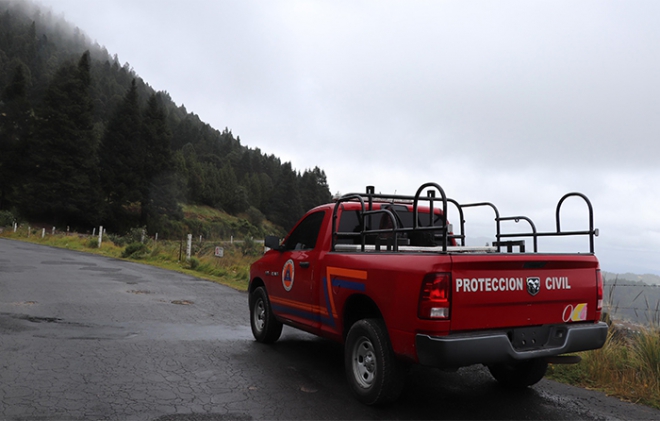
column 512, row 102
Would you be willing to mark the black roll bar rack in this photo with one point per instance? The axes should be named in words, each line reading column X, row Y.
column 367, row 199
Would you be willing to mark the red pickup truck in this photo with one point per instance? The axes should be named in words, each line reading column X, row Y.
column 387, row 276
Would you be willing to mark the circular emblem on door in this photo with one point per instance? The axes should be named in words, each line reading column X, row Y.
column 287, row 275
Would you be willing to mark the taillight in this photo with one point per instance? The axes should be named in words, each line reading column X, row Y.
column 434, row 297
column 599, row 294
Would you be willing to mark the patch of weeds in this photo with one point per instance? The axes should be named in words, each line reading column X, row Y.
column 135, row 251
column 117, row 240
column 194, row 263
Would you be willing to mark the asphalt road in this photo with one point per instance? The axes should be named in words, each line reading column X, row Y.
column 84, row 337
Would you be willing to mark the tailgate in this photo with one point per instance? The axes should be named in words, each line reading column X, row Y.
column 512, row 290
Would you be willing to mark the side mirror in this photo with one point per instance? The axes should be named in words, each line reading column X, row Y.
column 272, row 242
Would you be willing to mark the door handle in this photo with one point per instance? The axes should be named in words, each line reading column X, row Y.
column 304, row 264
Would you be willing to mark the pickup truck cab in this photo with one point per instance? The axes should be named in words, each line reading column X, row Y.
column 386, row 276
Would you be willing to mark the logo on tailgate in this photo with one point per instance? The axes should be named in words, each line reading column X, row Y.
column 575, row 313
column 533, row 286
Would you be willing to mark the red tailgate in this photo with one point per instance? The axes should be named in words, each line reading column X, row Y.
column 511, row 290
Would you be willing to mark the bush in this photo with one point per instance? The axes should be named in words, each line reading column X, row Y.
column 135, row 251
column 117, row 240
column 194, row 263
column 136, row 235
column 92, row 243
column 250, row 247
column 255, row 217
column 6, row 218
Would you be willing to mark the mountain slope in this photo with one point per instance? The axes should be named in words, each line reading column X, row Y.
column 140, row 154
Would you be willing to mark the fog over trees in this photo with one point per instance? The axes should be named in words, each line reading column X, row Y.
column 85, row 141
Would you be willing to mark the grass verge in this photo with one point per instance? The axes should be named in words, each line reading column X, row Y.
column 628, row 367
column 232, row 269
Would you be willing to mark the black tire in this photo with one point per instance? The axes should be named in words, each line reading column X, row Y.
column 519, row 375
column 372, row 369
column 265, row 328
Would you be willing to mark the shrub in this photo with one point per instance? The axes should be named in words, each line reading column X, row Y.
column 135, row 251
column 136, row 235
column 194, row 263
column 117, row 240
column 6, row 218
column 255, row 217
column 250, row 247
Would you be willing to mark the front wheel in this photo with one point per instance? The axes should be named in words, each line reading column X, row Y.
column 521, row 374
column 371, row 367
column 265, row 328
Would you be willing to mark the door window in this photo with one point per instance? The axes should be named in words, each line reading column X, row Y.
column 306, row 233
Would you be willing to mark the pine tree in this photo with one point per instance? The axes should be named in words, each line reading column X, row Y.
column 16, row 124
column 253, row 186
column 122, row 155
column 285, row 206
column 62, row 184
column 159, row 192
column 314, row 188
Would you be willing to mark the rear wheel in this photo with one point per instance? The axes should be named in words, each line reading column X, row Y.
column 521, row 374
column 265, row 327
column 371, row 367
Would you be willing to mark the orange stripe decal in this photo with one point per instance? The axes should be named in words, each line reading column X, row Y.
column 344, row 273
column 290, row 303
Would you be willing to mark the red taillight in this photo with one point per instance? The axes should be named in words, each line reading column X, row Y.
column 599, row 294
column 434, row 297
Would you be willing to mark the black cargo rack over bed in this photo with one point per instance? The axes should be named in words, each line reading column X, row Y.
column 368, row 238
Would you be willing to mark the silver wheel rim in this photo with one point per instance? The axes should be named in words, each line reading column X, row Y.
column 259, row 315
column 364, row 363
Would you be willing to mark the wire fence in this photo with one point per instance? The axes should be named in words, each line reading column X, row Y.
column 635, row 301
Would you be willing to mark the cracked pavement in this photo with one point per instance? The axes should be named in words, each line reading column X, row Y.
column 84, row 337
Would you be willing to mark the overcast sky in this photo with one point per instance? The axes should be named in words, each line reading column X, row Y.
column 511, row 102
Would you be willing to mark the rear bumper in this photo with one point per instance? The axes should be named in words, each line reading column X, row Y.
column 495, row 347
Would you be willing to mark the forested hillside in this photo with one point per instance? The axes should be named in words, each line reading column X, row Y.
column 85, row 141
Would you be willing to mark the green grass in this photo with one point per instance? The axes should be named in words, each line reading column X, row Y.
column 206, row 213
column 231, row 270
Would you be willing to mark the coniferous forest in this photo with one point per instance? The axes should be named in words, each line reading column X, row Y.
column 84, row 141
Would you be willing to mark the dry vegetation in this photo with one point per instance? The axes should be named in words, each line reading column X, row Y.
column 628, row 367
